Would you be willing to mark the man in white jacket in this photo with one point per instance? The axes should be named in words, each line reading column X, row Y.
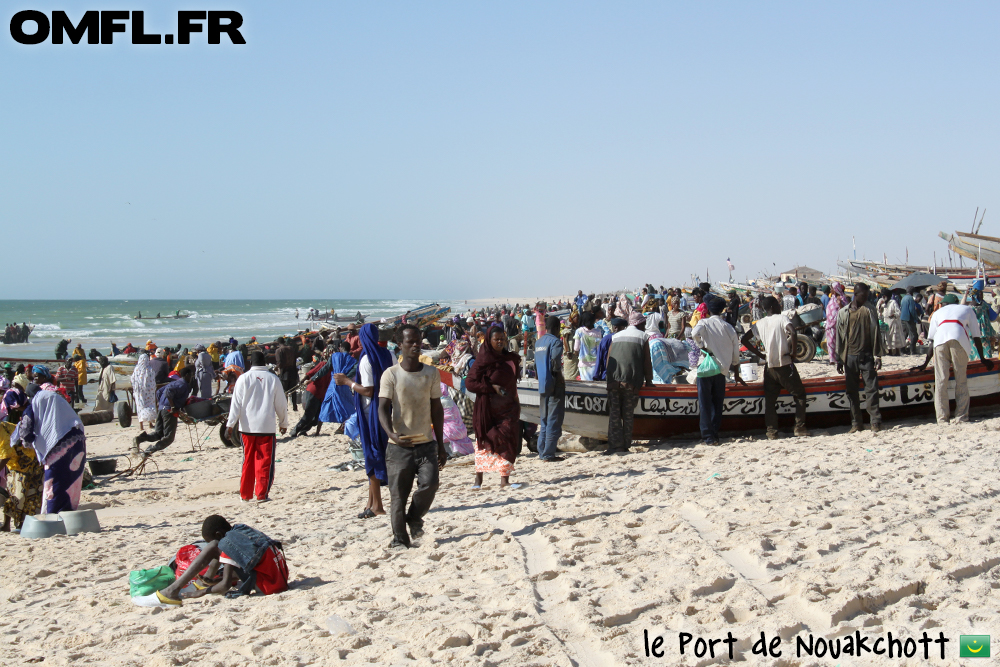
column 258, row 400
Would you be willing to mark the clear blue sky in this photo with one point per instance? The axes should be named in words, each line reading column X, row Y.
column 453, row 150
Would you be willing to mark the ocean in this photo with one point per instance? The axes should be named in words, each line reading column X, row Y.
column 97, row 323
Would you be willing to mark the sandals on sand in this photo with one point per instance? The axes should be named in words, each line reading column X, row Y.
column 367, row 514
column 155, row 600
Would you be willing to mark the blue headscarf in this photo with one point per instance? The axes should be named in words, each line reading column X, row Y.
column 373, row 438
column 42, row 370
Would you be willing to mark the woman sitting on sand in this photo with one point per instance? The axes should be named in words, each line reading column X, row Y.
column 496, row 416
column 52, row 428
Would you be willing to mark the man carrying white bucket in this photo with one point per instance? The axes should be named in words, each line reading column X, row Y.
column 777, row 335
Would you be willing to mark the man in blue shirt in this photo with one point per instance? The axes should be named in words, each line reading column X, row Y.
column 169, row 399
column 551, row 390
column 825, row 296
column 909, row 313
column 580, row 299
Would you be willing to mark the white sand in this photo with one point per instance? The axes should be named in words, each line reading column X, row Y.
column 828, row 534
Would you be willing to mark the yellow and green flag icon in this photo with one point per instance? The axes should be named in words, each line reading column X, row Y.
column 974, row 646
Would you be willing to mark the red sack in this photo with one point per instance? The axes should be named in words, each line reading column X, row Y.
column 186, row 556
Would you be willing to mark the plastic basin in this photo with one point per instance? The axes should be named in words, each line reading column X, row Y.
column 81, row 521
column 43, row 525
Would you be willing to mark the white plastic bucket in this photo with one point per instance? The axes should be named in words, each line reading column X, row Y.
column 748, row 372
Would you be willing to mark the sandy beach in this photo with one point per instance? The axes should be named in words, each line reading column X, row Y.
column 825, row 535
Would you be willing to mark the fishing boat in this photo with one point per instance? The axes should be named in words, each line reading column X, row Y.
column 164, row 317
column 670, row 410
column 975, row 247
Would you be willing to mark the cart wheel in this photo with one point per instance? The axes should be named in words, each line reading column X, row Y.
column 805, row 349
column 222, row 436
column 124, row 414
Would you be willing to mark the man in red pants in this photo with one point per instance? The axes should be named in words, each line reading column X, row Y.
column 258, row 400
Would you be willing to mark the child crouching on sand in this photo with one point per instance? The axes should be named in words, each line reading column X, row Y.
column 250, row 561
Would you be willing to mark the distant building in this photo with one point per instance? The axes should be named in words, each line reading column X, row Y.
column 801, row 273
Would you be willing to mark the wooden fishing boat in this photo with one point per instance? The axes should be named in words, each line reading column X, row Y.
column 975, row 246
column 672, row 410
column 164, row 317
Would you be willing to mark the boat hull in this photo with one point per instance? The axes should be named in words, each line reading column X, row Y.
column 664, row 411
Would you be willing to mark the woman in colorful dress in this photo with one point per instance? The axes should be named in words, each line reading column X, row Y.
column 144, row 390
column 985, row 315
column 497, row 412
column 53, row 429
column 24, row 479
column 838, row 299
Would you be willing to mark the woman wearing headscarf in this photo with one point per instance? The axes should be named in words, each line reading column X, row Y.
column 144, row 391
column 838, row 299
column 24, row 479
column 372, row 364
column 497, row 413
column 43, row 380
column 985, row 315
column 13, row 401
column 204, row 372
column 51, row 427
column 105, row 385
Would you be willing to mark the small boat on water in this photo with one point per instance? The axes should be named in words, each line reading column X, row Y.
column 178, row 316
column 672, row 410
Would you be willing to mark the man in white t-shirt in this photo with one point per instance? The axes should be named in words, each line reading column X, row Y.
column 954, row 329
column 777, row 335
column 410, row 411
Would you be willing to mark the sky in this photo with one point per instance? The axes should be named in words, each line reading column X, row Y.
column 445, row 150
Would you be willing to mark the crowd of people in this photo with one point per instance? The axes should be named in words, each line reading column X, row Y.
column 388, row 395
column 12, row 333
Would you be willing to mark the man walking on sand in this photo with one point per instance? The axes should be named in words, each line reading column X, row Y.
column 410, row 411
column 859, row 356
column 777, row 335
column 952, row 328
column 258, row 400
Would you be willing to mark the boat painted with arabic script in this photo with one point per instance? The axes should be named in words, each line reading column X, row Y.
column 672, row 410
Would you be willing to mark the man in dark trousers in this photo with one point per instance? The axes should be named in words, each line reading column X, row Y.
column 859, row 356
column 551, row 389
column 777, row 335
column 284, row 359
column 169, row 401
column 410, row 411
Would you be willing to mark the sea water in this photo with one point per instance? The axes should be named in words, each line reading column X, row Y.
column 96, row 324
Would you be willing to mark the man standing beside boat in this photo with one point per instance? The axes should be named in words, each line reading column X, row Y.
column 953, row 327
column 629, row 366
column 715, row 336
column 777, row 335
column 859, row 356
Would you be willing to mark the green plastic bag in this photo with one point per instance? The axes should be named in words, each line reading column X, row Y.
column 147, row 582
column 708, row 366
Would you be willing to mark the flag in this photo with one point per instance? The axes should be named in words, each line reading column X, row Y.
column 731, row 267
